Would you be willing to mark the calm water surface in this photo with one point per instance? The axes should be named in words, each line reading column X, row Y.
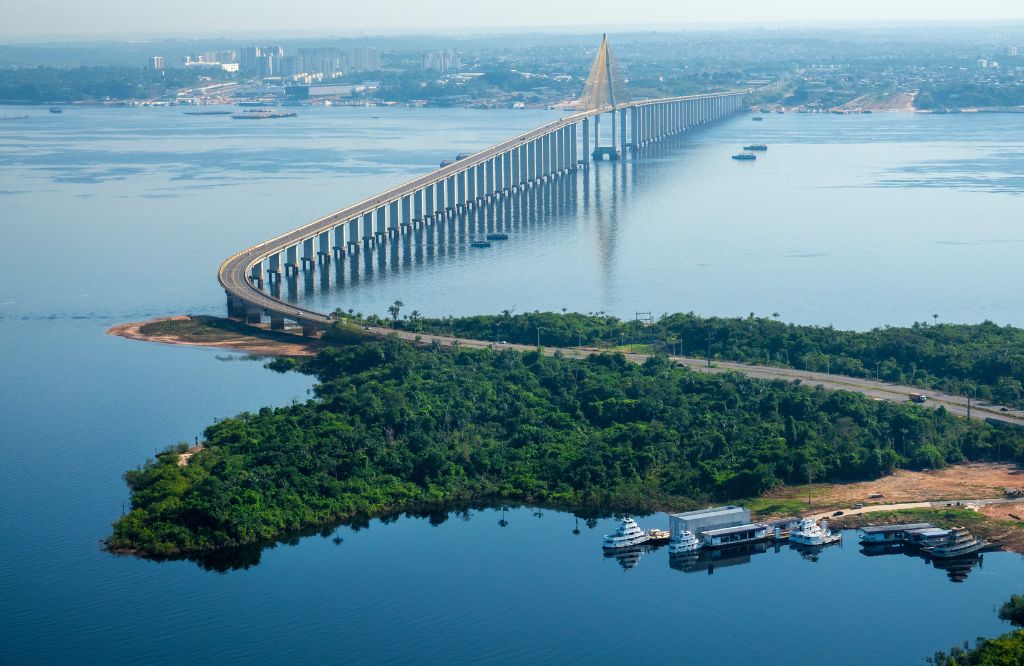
column 123, row 214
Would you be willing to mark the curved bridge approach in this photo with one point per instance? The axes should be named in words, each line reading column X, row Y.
column 476, row 180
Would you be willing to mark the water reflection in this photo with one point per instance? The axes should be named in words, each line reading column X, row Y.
column 628, row 557
column 957, row 568
column 717, row 558
column 592, row 195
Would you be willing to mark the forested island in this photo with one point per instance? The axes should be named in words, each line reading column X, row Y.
column 393, row 426
column 983, row 360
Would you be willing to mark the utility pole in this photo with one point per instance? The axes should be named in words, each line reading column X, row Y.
column 710, row 336
column 538, row 336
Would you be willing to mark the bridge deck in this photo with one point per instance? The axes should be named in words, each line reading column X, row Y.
column 233, row 272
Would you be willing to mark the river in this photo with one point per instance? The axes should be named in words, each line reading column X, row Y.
column 115, row 215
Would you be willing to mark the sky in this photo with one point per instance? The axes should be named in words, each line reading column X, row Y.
column 26, row 19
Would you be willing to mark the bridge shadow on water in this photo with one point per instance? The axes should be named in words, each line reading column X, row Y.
column 594, row 195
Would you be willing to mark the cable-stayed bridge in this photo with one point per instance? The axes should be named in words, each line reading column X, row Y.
column 489, row 178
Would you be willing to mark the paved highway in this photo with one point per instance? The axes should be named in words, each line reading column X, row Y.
column 877, row 390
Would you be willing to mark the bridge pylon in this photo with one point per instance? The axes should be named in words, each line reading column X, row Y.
column 604, row 90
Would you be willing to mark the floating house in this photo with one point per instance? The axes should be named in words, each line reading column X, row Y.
column 885, row 534
column 730, row 536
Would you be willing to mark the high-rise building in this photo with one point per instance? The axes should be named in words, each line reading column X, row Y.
column 441, row 61
column 157, row 63
column 248, row 59
column 268, row 65
column 364, row 59
column 1013, row 51
column 327, row 61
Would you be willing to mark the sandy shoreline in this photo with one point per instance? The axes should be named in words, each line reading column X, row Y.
column 253, row 343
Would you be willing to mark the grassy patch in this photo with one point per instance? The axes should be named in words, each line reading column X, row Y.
column 776, row 506
column 197, row 329
column 634, row 349
column 940, row 517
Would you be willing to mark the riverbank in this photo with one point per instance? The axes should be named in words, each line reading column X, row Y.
column 217, row 332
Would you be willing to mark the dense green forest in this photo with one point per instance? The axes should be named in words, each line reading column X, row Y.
column 968, row 96
column 986, row 360
column 393, row 426
column 45, row 85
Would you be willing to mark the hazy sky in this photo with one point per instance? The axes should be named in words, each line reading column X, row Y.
column 38, row 18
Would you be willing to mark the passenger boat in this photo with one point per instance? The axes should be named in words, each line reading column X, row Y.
column 757, row 119
column 960, row 543
column 497, row 236
column 686, row 543
column 756, row 146
column 810, row 533
column 479, row 244
column 627, row 535
column 656, row 537
column 262, row 114
column 746, row 157
column 56, row 109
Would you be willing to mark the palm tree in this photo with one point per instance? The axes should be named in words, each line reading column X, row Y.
column 394, row 310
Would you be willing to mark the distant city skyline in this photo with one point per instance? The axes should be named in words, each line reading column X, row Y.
column 107, row 18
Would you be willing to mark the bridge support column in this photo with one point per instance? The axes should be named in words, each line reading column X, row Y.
column 236, row 307
column 291, row 266
column 586, row 140
column 276, row 323
column 323, row 254
column 253, row 315
column 340, row 240
column 573, row 146
column 393, row 219
column 309, row 330
column 622, row 130
column 449, row 195
column 308, row 255
column 406, row 212
column 274, row 267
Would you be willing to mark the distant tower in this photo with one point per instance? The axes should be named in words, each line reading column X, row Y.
column 157, row 63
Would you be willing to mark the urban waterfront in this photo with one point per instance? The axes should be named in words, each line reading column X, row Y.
column 123, row 214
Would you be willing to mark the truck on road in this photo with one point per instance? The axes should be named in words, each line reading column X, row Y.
column 918, row 397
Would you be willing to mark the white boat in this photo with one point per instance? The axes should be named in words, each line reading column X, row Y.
column 684, row 544
column 628, row 534
column 959, row 543
column 809, row 533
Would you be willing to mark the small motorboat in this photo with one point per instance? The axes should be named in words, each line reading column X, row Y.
column 744, row 157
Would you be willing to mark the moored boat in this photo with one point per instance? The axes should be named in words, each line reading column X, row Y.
column 686, row 543
column 627, row 535
column 262, row 114
column 744, row 157
column 756, row 146
column 56, row 109
column 491, row 237
column 960, row 543
column 479, row 244
column 810, row 533
column 656, row 537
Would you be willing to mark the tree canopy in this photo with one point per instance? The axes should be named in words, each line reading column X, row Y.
column 393, row 427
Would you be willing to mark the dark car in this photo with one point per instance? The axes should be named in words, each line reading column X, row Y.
column 838, row 513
